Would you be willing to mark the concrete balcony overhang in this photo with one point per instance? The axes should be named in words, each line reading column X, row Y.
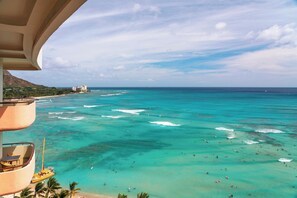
column 25, row 25
column 17, row 114
column 17, row 177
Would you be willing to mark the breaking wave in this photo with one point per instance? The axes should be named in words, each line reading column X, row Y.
column 269, row 131
column 224, row 129
column 164, row 123
column 113, row 117
column 250, row 142
column 130, row 111
column 91, row 106
column 285, row 160
column 113, row 94
column 231, row 136
column 55, row 113
column 60, row 113
column 68, row 118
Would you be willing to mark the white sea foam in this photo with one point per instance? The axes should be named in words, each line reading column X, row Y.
column 91, row 106
column 55, row 113
column 113, row 94
column 43, row 101
column 164, row 123
column 269, row 131
column 130, row 111
column 250, row 142
column 113, row 117
column 60, row 113
column 231, row 136
column 224, row 129
column 68, row 118
column 285, row 160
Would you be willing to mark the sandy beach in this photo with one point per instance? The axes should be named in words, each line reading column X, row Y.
column 54, row 96
column 91, row 195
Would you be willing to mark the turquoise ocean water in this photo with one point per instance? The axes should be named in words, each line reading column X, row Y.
column 183, row 142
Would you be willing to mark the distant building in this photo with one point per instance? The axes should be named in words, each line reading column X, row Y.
column 80, row 89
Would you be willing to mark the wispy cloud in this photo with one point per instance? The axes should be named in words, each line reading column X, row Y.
column 162, row 43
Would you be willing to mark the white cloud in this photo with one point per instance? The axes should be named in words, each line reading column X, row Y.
column 119, row 67
column 151, row 8
column 58, row 63
column 278, row 61
column 220, row 25
column 280, row 35
column 126, row 43
column 136, row 7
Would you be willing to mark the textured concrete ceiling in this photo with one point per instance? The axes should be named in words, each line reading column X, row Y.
column 25, row 25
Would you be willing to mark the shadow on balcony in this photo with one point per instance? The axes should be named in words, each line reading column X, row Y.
column 17, row 114
column 16, row 167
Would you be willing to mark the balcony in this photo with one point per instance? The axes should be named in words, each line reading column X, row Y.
column 17, row 114
column 16, row 167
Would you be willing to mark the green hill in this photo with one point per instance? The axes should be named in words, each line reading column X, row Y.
column 15, row 87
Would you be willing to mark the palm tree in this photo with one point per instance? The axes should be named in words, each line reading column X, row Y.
column 122, row 195
column 39, row 190
column 142, row 195
column 72, row 189
column 62, row 194
column 52, row 186
column 26, row 193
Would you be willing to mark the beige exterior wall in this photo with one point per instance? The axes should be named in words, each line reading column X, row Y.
column 17, row 117
column 1, row 99
column 16, row 180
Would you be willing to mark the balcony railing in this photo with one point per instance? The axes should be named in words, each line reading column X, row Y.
column 17, row 114
column 16, row 167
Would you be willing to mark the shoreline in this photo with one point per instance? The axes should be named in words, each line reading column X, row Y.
column 91, row 195
column 52, row 96
column 55, row 96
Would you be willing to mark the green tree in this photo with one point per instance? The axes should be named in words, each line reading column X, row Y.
column 122, row 195
column 39, row 190
column 52, row 186
column 72, row 189
column 142, row 195
column 26, row 193
column 62, row 194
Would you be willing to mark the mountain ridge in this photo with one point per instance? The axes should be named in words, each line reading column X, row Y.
column 10, row 80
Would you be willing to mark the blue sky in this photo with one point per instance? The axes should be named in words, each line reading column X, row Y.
column 173, row 43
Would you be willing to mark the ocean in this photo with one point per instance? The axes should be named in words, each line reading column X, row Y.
column 171, row 142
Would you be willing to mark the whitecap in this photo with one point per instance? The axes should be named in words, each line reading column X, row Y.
column 113, row 94
column 269, row 131
column 164, row 123
column 130, row 111
column 55, row 113
column 91, row 106
column 69, row 107
column 285, row 160
column 224, row 129
column 250, row 142
column 74, row 118
column 113, row 117
column 231, row 136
